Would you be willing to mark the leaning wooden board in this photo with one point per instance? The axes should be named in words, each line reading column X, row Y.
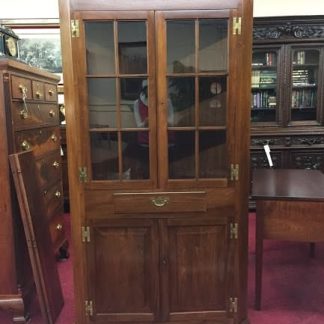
column 32, row 210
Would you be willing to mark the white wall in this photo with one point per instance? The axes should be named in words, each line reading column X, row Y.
column 49, row 8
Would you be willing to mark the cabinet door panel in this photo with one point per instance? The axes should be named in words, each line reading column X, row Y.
column 197, row 257
column 123, row 270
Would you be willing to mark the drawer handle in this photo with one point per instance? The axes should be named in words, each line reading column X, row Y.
column 160, row 201
column 51, row 113
column 38, row 94
column 56, row 164
column 24, row 111
column 25, row 145
column 59, row 227
column 54, row 138
column 50, row 92
column 57, row 194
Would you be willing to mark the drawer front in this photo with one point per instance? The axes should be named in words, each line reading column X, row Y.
column 26, row 116
column 57, row 229
column 50, row 114
column 160, row 202
column 309, row 159
column 49, row 169
column 40, row 141
column 50, row 92
column 38, row 90
column 18, row 85
column 53, row 199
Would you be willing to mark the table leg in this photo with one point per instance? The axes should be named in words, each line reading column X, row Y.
column 258, row 260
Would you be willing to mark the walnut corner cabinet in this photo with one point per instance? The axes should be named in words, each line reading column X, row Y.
column 158, row 97
column 28, row 120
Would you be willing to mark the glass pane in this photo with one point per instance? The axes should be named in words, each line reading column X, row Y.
column 181, row 102
column 305, row 81
column 99, row 39
column 180, row 46
column 264, row 86
column 212, row 154
column 213, row 44
column 181, row 154
column 132, row 47
column 212, row 101
column 104, row 156
column 102, row 102
column 134, row 102
column 135, row 155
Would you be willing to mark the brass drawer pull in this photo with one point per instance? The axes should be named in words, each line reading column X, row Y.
column 57, row 194
column 56, row 164
column 160, row 201
column 50, row 92
column 51, row 113
column 25, row 145
column 59, row 227
column 38, row 94
column 54, row 138
column 24, row 111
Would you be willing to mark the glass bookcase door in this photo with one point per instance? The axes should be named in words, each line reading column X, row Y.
column 119, row 100
column 197, row 81
column 304, row 80
column 264, row 97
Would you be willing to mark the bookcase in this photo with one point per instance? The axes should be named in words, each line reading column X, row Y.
column 287, row 97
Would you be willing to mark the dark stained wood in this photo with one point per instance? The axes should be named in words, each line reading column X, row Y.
column 37, row 235
column 290, row 207
column 126, row 230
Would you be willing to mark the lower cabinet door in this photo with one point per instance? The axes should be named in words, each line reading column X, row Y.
column 197, row 271
column 122, row 256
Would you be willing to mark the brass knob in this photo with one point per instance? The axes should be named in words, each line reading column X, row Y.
column 25, row 145
column 56, row 164
column 50, row 92
column 59, row 227
column 38, row 94
column 22, row 88
column 57, row 194
column 51, row 113
column 23, row 114
column 160, row 201
column 54, row 138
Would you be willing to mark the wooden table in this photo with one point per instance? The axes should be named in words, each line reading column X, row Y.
column 289, row 206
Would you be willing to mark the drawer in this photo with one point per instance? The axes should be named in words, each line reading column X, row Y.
column 160, row 202
column 18, row 85
column 53, row 199
column 38, row 90
column 57, row 229
column 26, row 116
column 39, row 140
column 49, row 169
column 50, row 114
column 50, row 92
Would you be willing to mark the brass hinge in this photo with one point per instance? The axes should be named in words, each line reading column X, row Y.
column 83, row 174
column 88, row 307
column 75, row 30
column 237, row 22
column 85, row 234
column 235, row 172
column 233, row 305
column 234, row 231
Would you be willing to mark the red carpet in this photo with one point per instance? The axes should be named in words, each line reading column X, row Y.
column 293, row 285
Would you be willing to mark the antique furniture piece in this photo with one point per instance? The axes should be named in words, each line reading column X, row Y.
column 289, row 206
column 287, row 102
column 32, row 210
column 28, row 120
column 158, row 144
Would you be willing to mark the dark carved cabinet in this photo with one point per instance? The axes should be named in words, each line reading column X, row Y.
column 28, row 121
column 287, row 96
column 157, row 141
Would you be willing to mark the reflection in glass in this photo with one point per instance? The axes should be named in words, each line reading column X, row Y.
column 132, row 47
column 99, row 39
column 213, row 45
column 212, row 154
column 181, row 96
column 180, row 46
column 102, row 102
column 305, row 81
column 181, row 154
column 104, row 156
column 212, row 101
column 134, row 102
column 135, row 155
column 264, row 58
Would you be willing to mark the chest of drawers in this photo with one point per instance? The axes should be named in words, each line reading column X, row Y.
column 29, row 120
